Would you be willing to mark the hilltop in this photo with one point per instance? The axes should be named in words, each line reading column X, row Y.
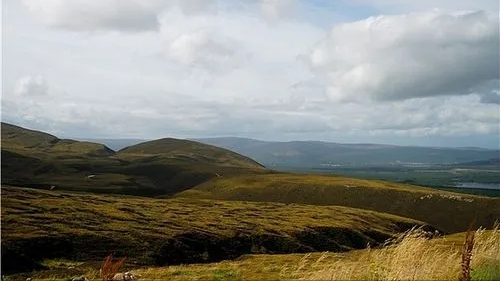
column 36, row 143
column 190, row 151
column 36, row 159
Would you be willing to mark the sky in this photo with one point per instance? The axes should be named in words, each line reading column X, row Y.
column 380, row 71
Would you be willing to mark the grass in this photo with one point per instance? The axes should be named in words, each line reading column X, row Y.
column 189, row 150
column 161, row 167
column 52, row 230
column 171, row 167
column 486, row 272
column 445, row 210
column 413, row 257
column 40, row 225
column 410, row 256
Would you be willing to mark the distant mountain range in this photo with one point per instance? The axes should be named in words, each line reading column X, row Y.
column 297, row 154
column 313, row 154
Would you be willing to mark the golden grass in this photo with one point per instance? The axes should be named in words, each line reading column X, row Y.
column 140, row 228
column 445, row 210
column 411, row 257
column 40, row 212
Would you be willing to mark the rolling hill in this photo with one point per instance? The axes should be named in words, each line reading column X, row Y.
column 171, row 167
column 189, row 151
column 449, row 211
column 41, row 224
column 36, row 159
column 25, row 141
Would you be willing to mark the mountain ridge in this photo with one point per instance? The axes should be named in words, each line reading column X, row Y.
column 315, row 153
column 37, row 159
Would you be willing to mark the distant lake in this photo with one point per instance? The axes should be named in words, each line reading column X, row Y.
column 478, row 185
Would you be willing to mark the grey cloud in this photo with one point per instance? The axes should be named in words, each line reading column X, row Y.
column 124, row 15
column 193, row 7
column 31, row 86
column 83, row 15
column 170, row 114
column 409, row 56
column 492, row 97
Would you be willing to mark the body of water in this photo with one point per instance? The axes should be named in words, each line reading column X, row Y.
column 479, row 185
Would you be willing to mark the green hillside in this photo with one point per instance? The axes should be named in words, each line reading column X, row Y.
column 189, row 151
column 35, row 143
column 449, row 211
column 40, row 224
column 35, row 159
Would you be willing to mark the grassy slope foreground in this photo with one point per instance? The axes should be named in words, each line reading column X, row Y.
column 451, row 212
column 412, row 257
column 36, row 159
column 40, row 224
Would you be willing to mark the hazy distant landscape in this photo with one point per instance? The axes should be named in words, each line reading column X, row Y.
column 458, row 169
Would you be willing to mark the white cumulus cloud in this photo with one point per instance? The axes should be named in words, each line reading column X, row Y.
column 407, row 56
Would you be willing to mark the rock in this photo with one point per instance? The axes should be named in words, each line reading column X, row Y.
column 79, row 278
column 127, row 276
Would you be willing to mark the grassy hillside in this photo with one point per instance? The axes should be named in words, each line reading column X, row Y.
column 189, row 151
column 413, row 257
column 29, row 142
column 39, row 224
column 451, row 212
column 166, row 166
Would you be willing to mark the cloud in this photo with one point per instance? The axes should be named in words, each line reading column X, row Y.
column 492, row 97
column 31, row 86
column 216, row 44
column 159, row 114
column 402, row 6
column 205, row 49
column 90, row 15
column 136, row 15
column 213, row 68
column 193, row 7
column 408, row 56
column 274, row 9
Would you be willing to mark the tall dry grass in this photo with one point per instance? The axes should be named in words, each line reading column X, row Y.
column 110, row 267
column 411, row 256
